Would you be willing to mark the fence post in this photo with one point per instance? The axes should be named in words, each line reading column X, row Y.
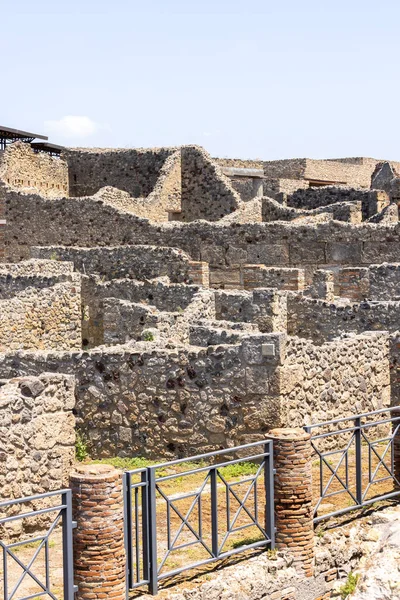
column 99, row 553
column 68, row 566
column 396, row 448
column 358, row 448
column 152, row 516
column 269, row 492
column 214, row 511
column 293, row 496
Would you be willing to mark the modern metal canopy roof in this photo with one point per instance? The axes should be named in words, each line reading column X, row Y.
column 14, row 134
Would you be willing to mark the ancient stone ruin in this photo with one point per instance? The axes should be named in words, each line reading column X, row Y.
column 164, row 303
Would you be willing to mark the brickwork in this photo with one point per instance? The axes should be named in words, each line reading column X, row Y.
column 99, row 554
column 199, row 273
column 293, row 496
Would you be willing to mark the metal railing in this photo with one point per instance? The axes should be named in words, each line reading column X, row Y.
column 167, row 532
column 365, row 458
column 41, row 544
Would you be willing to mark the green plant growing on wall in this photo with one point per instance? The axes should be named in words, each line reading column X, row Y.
column 148, row 336
column 349, row 587
column 81, row 451
column 54, row 256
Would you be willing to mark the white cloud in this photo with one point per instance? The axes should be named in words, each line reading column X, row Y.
column 72, row 127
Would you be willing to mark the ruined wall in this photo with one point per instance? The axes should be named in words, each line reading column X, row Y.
column 322, row 321
column 279, row 189
column 206, row 192
column 22, row 168
column 165, row 403
column 37, row 435
column 375, row 282
column 341, row 211
column 342, row 377
column 173, row 402
column 122, row 321
column 132, row 170
column 41, row 317
column 372, row 201
column 136, row 262
column 173, row 298
column 34, row 219
column 264, row 307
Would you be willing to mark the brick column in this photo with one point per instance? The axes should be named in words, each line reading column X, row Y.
column 396, row 447
column 99, row 554
column 293, row 496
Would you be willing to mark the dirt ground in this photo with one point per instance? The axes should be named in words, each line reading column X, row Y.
column 181, row 496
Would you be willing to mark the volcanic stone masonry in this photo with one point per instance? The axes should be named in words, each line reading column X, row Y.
column 198, row 302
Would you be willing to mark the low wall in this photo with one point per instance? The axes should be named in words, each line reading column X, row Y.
column 372, row 201
column 264, row 307
column 341, row 211
column 44, row 318
column 160, row 403
column 322, row 321
column 136, row 262
column 375, row 282
column 37, row 436
column 324, row 382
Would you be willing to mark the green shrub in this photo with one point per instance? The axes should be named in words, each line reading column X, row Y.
column 349, row 587
column 81, row 451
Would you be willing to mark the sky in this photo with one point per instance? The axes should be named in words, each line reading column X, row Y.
column 243, row 78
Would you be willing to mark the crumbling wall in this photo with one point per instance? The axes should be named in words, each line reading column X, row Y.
column 32, row 219
column 206, row 191
column 322, row 321
column 41, row 317
column 372, row 201
column 375, row 282
column 342, row 377
column 341, row 211
column 22, row 168
column 37, row 435
column 132, row 170
column 160, row 403
column 136, row 262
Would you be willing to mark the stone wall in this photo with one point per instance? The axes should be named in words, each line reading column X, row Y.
column 349, row 376
column 372, row 201
column 320, row 321
column 206, row 192
column 177, row 401
column 32, row 218
column 160, row 403
column 375, row 282
column 341, row 211
column 22, row 168
column 41, row 317
column 132, row 170
column 37, row 436
column 135, row 262
column 264, row 307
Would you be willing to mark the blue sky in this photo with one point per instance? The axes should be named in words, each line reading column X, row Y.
column 247, row 78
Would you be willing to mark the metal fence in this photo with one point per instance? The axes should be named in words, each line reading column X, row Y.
column 357, row 461
column 55, row 514
column 190, row 512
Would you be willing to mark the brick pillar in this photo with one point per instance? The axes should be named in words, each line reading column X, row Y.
column 293, row 496
column 99, row 554
column 396, row 447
